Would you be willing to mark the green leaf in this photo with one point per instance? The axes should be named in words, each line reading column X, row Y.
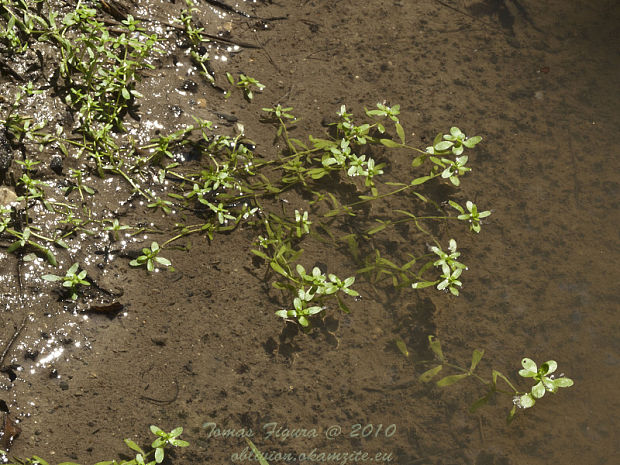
column 40, row 460
column 402, row 347
column 159, row 455
column 538, row 390
column 563, row 382
column 480, row 402
column 475, row 359
column 417, row 161
column 449, row 380
column 435, row 346
column 257, row 453
column 443, row 145
column 420, row 180
column 390, row 143
column 497, row 374
column 125, row 93
column 376, row 229
column 549, row 367
column 401, row 132
column 163, row 261
column 133, row 446
column 261, row 254
column 472, row 141
column 428, row 374
column 423, row 284
column 343, row 306
column 511, row 414
column 529, row 367
column 278, row 269
column 52, row 277
column 527, row 401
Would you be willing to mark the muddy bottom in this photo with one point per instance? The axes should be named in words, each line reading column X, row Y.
column 201, row 346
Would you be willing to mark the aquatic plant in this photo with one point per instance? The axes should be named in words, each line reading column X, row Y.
column 71, row 280
column 98, row 71
column 521, row 400
column 160, row 445
column 150, row 258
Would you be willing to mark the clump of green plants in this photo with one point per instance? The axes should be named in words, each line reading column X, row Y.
column 155, row 455
column 246, row 83
column 99, row 68
column 546, row 381
column 72, row 280
column 150, row 257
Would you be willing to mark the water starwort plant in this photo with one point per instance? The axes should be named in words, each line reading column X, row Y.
column 71, row 280
column 164, row 441
column 150, row 257
column 546, row 381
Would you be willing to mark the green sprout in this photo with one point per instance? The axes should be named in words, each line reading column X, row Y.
column 449, row 260
column 455, row 142
column 455, row 169
column 115, row 227
column 336, row 284
column 166, row 439
column 451, row 270
column 301, row 310
column 473, row 216
column 302, row 223
column 245, row 83
column 546, row 381
column 149, row 257
column 71, row 279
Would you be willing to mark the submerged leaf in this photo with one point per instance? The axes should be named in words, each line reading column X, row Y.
column 428, row 374
column 436, row 347
column 475, row 359
column 402, row 347
column 449, row 380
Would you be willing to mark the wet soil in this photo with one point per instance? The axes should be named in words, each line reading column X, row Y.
column 202, row 345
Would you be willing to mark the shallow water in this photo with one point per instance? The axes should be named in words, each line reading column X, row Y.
column 202, row 346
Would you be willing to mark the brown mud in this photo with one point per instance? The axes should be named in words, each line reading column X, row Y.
column 202, row 346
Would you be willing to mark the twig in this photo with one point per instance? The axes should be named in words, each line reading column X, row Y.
column 13, row 339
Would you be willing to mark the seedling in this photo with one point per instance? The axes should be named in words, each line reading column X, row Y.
column 163, row 442
column 246, row 84
column 524, row 400
column 454, row 142
column 115, row 228
column 150, row 256
column 451, row 270
column 301, row 311
column 166, row 439
column 72, row 280
column 473, row 217
column 547, row 382
column 302, row 224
